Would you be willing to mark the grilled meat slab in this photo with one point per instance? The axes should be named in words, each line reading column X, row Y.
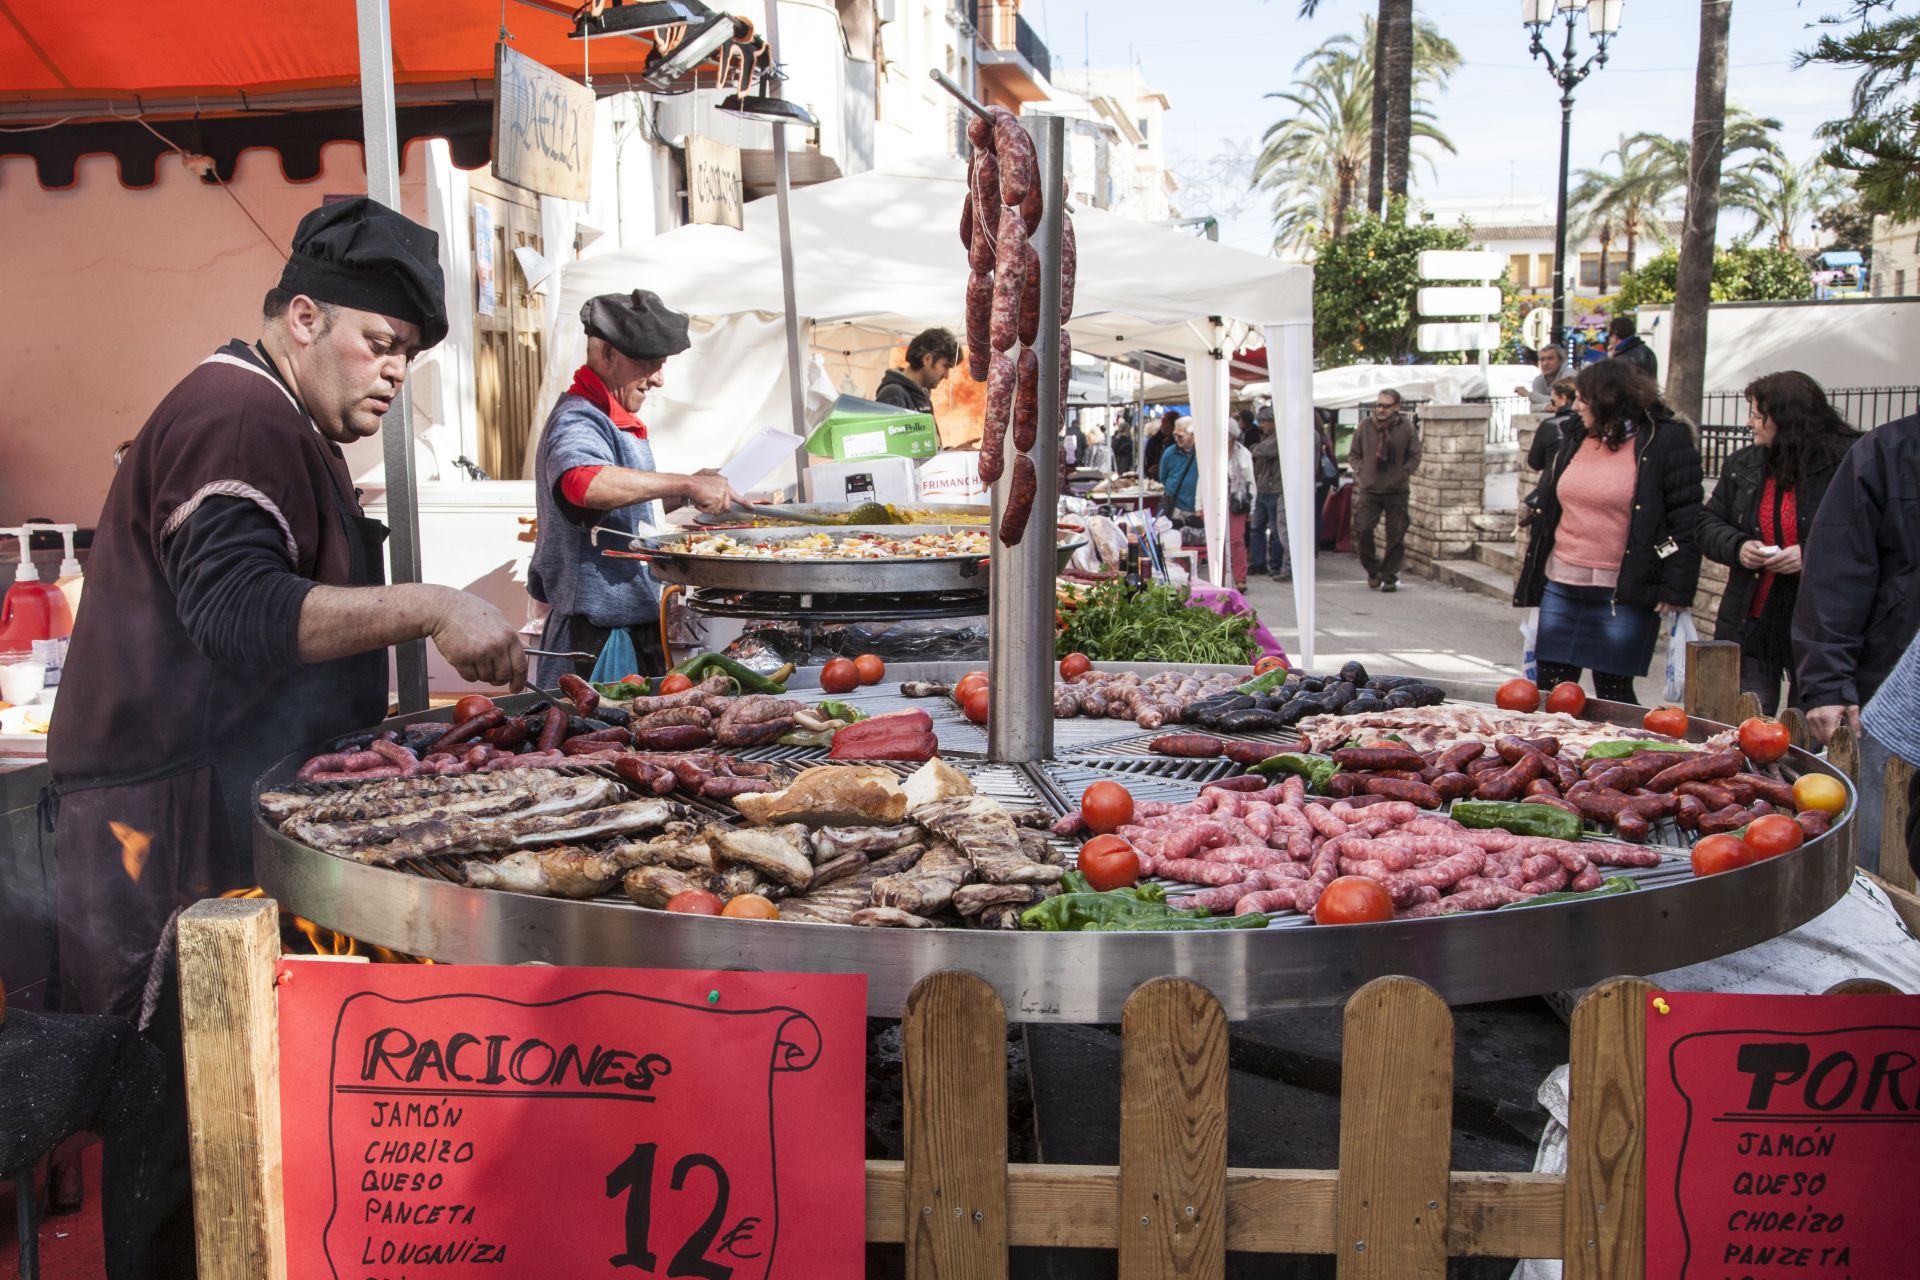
column 832, row 842
column 553, row 873
column 927, row 888
column 972, row 899
column 486, row 835
column 983, row 830
column 682, row 846
column 654, row 886
column 562, row 795
column 890, row 918
column 782, row 854
column 388, row 795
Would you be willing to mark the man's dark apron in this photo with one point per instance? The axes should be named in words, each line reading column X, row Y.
column 132, row 850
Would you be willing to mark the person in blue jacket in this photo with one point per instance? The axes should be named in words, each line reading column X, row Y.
column 1180, row 473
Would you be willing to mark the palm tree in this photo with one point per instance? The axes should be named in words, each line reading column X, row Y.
column 1780, row 195
column 1409, row 55
column 1667, row 158
column 1313, row 160
column 1693, row 276
column 1630, row 194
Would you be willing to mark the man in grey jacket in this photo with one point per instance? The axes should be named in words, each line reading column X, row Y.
column 1267, row 527
column 1384, row 455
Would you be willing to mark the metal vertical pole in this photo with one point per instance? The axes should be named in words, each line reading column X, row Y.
column 796, row 387
column 382, row 150
column 1020, row 618
column 1560, row 226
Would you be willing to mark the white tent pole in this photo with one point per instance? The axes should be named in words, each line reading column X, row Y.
column 796, row 387
column 1290, row 369
column 382, row 152
column 1223, row 453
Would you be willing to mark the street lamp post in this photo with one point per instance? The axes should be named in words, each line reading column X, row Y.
column 1603, row 21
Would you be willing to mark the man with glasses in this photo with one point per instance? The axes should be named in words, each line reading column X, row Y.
column 595, row 468
column 1384, row 455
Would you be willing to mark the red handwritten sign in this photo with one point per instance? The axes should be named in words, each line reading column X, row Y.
column 1783, row 1134
column 467, row 1121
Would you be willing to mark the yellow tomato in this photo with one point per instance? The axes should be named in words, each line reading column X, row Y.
column 1818, row 791
column 750, row 906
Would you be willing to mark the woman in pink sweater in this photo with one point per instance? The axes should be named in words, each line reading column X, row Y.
column 1611, row 548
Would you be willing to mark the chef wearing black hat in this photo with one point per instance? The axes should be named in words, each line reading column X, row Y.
column 595, row 468
column 235, row 614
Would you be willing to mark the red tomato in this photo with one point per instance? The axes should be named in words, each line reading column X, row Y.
column 840, row 676
column 1567, row 697
column 968, row 684
column 1721, row 853
column 1268, row 663
column 975, row 706
column 1773, row 835
column 474, row 704
column 1106, row 806
column 870, row 668
column 676, row 682
column 1671, row 721
column 1353, row 900
column 695, row 902
column 1108, row 862
column 1074, row 664
column 1764, row 740
column 1518, row 695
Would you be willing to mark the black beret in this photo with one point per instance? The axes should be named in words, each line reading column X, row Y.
column 358, row 253
column 638, row 324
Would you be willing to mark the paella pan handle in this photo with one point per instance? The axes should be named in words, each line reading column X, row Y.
column 974, row 568
column 593, row 535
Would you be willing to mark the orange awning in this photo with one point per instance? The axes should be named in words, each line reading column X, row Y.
column 87, row 57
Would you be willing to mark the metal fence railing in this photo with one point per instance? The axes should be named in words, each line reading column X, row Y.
column 1723, row 417
column 1501, row 428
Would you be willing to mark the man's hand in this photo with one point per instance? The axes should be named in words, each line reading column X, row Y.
column 1788, row 561
column 1753, row 554
column 1822, row 721
column 711, row 492
column 1667, row 608
column 479, row 643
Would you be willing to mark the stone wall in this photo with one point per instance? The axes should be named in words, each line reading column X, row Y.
column 1450, row 485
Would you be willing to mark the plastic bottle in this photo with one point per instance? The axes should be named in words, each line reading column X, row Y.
column 33, row 610
column 71, row 581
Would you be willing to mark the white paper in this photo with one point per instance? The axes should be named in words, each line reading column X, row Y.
column 756, row 459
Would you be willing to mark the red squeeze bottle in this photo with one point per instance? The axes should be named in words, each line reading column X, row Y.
column 33, row 610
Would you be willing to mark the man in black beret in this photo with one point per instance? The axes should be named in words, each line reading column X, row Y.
column 235, row 615
column 595, row 468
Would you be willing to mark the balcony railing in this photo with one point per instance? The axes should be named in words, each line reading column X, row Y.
column 1001, row 27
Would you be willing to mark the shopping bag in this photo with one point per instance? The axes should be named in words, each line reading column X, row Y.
column 1680, row 633
column 617, row 658
column 1529, row 635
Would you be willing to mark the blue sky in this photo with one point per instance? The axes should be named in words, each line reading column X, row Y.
column 1215, row 58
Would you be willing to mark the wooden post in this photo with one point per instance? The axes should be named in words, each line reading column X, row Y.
column 230, row 1023
column 1746, row 707
column 1843, row 753
column 1396, row 1133
column 1904, row 902
column 955, row 1129
column 1895, row 868
column 1713, row 680
column 1862, row 987
column 1173, row 1134
column 1796, row 728
column 1605, row 1233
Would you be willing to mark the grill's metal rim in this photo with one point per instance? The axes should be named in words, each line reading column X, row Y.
column 1087, row 977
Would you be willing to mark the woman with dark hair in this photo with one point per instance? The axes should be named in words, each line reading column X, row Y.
column 1611, row 547
column 1757, row 521
column 1157, row 444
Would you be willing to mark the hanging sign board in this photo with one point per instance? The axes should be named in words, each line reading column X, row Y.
column 1458, row 299
column 467, row 1121
column 1460, row 264
column 713, row 182
column 1462, row 335
column 1537, row 329
column 1781, row 1132
column 542, row 128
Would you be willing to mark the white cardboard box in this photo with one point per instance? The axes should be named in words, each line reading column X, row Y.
column 952, row 477
column 881, row 479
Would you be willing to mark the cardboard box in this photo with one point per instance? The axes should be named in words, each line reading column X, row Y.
column 866, row 429
column 953, row 477
column 881, row 479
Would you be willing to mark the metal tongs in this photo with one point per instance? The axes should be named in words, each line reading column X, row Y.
column 575, row 654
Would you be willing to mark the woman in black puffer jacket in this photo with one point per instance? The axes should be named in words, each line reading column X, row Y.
column 1757, row 521
column 1610, row 548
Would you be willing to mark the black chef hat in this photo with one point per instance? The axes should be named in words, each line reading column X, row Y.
column 358, row 253
column 638, row 324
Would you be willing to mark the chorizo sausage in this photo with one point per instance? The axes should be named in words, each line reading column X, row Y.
column 1814, row 822
column 1188, row 744
column 1458, row 756
column 580, row 693
column 1026, row 400
column 1711, row 794
column 645, row 774
column 553, row 730
column 673, row 737
column 1030, row 295
column 1704, row 769
column 1009, row 279
column 979, row 324
column 1069, row 267
column 980, row 133
column 1452, row 786
column 675, row 715
column 1378, row 758
column 726, row 788
column 1249, row 753
column 1066, row 370
column 1772, row 790
column 1021, row 490
column 1398, row 789
column 1631, row 827
column 511, row 734
column 1000, row 387
column 1553, row 802
column 1691, row 810
column 1731, row 818
column 966, row 212
column 467, row 730
column 1033, row 206
column 986, row 216
column 1019, row 165
column 1509, row 783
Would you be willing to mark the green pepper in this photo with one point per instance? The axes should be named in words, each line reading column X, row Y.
column 625, row 691
column 1077, row 908
column 1316, row 769
column 1521, row 819
column 841, row 711
column 1267, row 683
column 1619, row 750
column 702, row 665
column 1608, row 887
column 809, row 738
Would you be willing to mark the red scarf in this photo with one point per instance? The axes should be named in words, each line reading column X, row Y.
column 588, row 386
column 1787, row 535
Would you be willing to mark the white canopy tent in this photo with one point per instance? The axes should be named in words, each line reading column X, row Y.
column 1356, row 384
column 881, row 251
